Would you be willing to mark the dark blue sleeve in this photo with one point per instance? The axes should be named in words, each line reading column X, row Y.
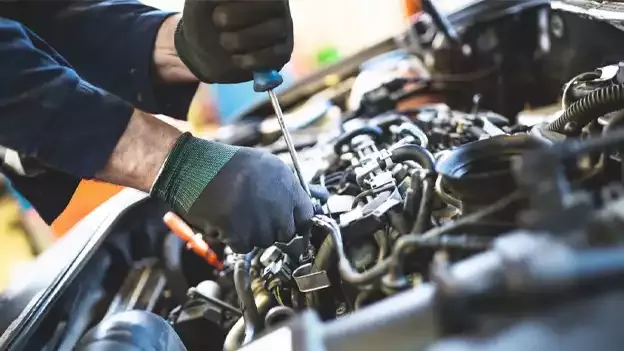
column 110, row 44
column 48, row 112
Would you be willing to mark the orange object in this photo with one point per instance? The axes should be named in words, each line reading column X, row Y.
column 88, row 196
column 194, row 240
column 411, row 7
column 90, row 193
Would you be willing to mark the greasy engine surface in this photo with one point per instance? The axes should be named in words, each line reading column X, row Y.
column 440, row 213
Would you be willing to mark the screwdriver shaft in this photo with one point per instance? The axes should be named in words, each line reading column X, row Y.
column 289, row 142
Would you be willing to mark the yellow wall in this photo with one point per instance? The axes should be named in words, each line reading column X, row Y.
column 14, row 247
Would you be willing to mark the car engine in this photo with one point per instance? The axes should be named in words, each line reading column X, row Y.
column 468, row 188
column 416, row 178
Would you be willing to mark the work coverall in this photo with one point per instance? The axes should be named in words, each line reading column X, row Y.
column 47, row 109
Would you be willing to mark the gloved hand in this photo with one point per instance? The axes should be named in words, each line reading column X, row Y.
column 224, row 41
column 251, row 198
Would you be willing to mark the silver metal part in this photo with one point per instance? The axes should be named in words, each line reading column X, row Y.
column 308, row 281
column 209, row 288
column 270, row 255
column 277, row 265
column 291, row 148
column 382, row 179
column 278, row 315
column 340, row 203
column 140, row 290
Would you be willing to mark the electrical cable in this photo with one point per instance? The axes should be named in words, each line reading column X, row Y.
column 370, row 192
column 589, row 108
column 409, row 240
column 413, row 152
column 565, row 103
column 423, row 219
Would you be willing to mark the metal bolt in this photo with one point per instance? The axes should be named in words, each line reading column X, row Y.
column 342, row 309
column 570, row 127
column 557, row 28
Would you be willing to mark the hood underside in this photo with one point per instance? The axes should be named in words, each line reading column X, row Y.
column 610, row 11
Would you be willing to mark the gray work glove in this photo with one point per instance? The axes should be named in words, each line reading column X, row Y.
column 250, row 197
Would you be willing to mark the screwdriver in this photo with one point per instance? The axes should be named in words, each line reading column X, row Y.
column 194, row 241
column 266, row 81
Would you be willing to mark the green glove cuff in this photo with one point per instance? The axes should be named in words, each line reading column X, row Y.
column 191, row 165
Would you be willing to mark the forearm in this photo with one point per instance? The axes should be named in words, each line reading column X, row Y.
column 140, row 152
column 120, row 46
column 168, row 66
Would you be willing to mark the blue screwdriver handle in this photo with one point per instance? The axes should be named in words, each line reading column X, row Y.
column 267, row 80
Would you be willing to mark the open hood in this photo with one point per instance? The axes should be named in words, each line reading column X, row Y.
column 611, row 11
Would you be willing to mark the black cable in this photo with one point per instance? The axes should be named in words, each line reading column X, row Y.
column 408, row 243
column 403, row 242
column 589, row 108
column 426, row 206
column 586, row 76
column 574, row 148
column 370, row 192
column 416, row 153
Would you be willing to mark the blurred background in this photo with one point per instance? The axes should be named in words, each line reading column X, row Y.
column 325, row 32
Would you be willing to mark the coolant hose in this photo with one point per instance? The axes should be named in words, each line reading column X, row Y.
column 589, row 108
column 416, row 153
column 426, row 205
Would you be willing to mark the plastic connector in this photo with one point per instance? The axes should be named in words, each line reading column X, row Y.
column 267, row 80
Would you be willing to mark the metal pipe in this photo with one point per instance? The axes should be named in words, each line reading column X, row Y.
column 236, row 336
column 347, row 272
column 242, row 283
column 409, row 319
column 278, row 315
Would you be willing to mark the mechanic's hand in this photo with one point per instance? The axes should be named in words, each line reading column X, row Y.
column 224, row 41
column 250, row 197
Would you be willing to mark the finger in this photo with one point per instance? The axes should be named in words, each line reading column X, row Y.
column 303, row 214
column 263, row 233
column 287, row 230
column 259, row 60
column 255, row 38
column 236, row 15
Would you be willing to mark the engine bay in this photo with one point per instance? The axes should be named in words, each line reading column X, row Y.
column 448, row 216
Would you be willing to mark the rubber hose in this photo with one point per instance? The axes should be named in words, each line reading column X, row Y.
column 589, row 108
column 172, row 251
column 426, row 207
column 394, row 119
column 345, row 139
column 416, row 153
